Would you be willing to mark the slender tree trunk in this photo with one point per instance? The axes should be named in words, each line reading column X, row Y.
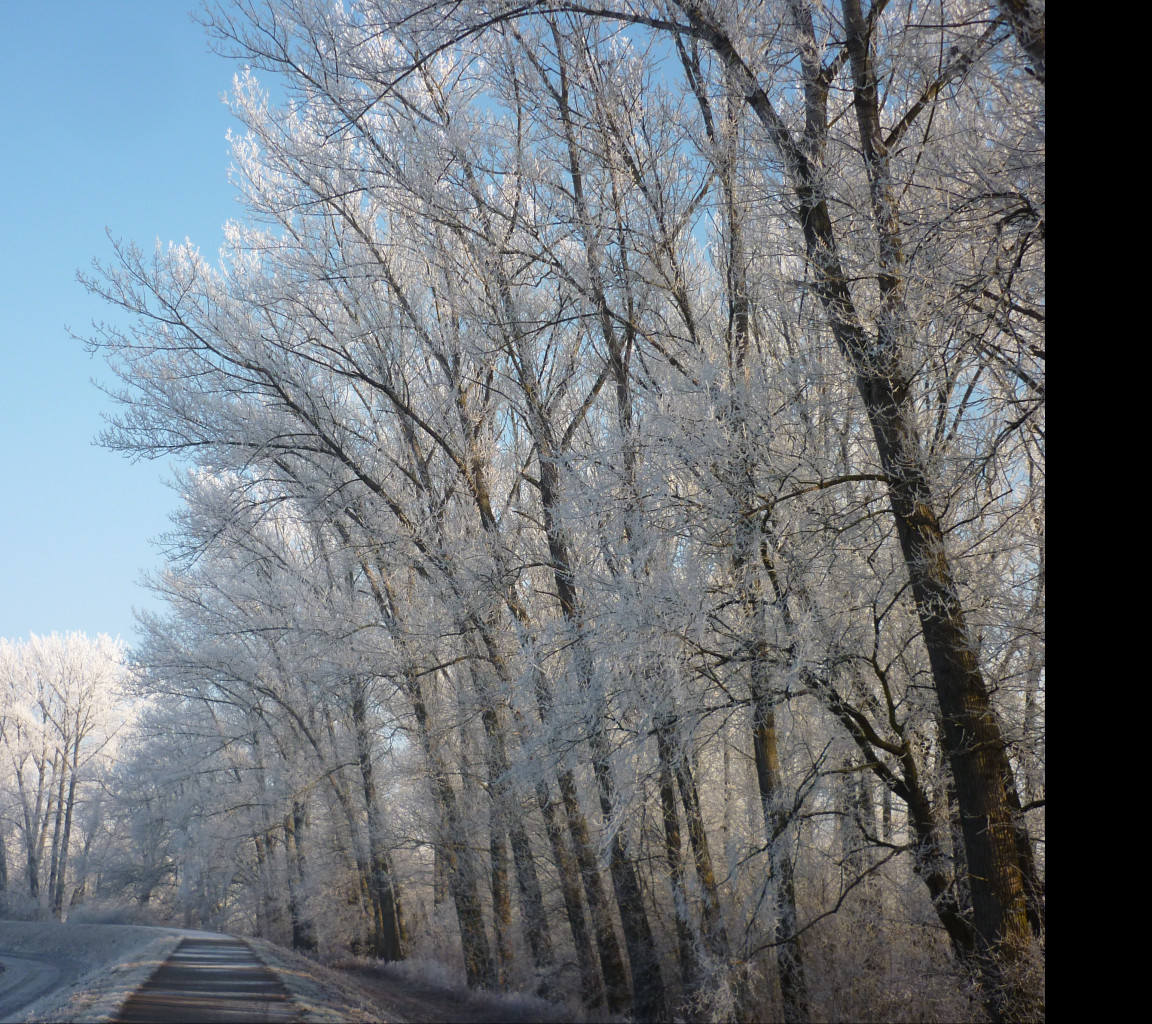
column 747, row 567
column 388, row 921
column 359, row 855
column 591, row 984
column 611, row 958
column 685, row 940
column 303, row 934
column 3, row 860
column 439, row 876
column 501, row 793
column 36, row 818
column 65, row 840
column 262, row 888
column 647, row 982
column 715, row 934
column 57, row 830
column 460, row 860
column 789, row 955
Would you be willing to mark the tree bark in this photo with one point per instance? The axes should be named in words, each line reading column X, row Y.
column 388, row 920
column 501, row 896
column 685, row 940
column 611, row 958
column 592, row 993
column 295, row 825
column 460, row 860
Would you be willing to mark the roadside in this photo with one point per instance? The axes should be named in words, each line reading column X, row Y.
column 396, row 994
column 398, row 990
column 87, row 972
column 76, row 972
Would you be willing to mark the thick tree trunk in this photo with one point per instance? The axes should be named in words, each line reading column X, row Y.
column 974, row 743
column 501, row 896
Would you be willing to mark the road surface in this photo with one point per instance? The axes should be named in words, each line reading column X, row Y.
column 210, row 979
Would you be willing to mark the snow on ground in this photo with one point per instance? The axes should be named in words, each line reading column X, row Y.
column 424, row 992
column 417, row 992
column 324, row 996
column 76, row 972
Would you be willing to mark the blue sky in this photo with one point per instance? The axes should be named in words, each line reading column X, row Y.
column 112, row 118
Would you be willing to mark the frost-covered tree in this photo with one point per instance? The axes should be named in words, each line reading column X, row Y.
column 62, row 713
column 630, row 420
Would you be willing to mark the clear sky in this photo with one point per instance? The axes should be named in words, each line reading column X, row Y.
column 112, row 118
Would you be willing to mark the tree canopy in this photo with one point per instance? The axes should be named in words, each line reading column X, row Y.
column 613, row 537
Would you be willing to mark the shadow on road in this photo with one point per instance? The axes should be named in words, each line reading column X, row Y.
column 210, row 979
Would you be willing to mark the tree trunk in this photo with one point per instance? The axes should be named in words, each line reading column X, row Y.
column 974, row 743
column 501, row 793
column 715, row 934
column 685, row 940
column 57, row 828
column 65, row 840
column 501, row 896
column 388, row 921
column 647, row 982
column 262, row 888
column 459, row 856
column 591, row 984
column 611, row 958
column 789, row 956
column 303, row 934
